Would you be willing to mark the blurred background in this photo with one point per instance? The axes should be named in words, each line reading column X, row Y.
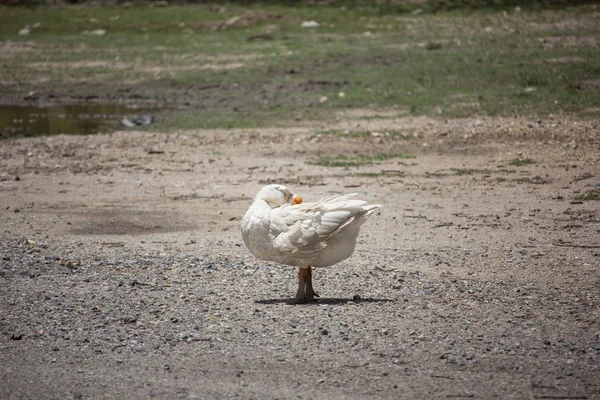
column 275, row 63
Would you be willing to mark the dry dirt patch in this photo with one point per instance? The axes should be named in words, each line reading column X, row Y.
column 122, row 265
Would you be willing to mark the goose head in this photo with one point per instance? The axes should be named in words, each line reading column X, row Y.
column 277, row 195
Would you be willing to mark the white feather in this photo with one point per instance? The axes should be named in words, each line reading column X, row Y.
column 316, row 234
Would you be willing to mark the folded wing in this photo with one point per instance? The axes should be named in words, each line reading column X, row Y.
column 305, row 230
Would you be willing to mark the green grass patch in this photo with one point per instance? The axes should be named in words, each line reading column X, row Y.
column 536, row 180
column 369, row 174
column 454, row 63
column 520, row 162
column 354, row 161
column 470, row 171
column 380, row 174
column 474, row 171
column 591, row 195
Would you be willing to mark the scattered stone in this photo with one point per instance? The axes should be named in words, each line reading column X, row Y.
column 145, row 119
column 95, row 32
column 187, row 337
column 309, row 24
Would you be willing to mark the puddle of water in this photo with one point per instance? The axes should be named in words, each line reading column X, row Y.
column 16, row 121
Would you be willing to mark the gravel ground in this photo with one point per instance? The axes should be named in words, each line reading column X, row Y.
column 123, row 273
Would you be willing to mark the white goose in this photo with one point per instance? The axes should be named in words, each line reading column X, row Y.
column 277, row 227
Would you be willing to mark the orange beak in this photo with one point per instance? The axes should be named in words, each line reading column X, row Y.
column 297, row 199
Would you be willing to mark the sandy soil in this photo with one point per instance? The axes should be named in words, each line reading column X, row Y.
column 123, row 273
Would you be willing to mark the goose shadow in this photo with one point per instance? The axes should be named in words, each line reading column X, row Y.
column 329, row 300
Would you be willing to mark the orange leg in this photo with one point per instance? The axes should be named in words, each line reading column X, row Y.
column 305, row 291
column 300, row 298
column 310, row 292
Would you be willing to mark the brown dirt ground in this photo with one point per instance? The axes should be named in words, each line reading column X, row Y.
column 123, row 273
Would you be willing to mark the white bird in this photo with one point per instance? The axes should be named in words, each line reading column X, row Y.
column 278, row 227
